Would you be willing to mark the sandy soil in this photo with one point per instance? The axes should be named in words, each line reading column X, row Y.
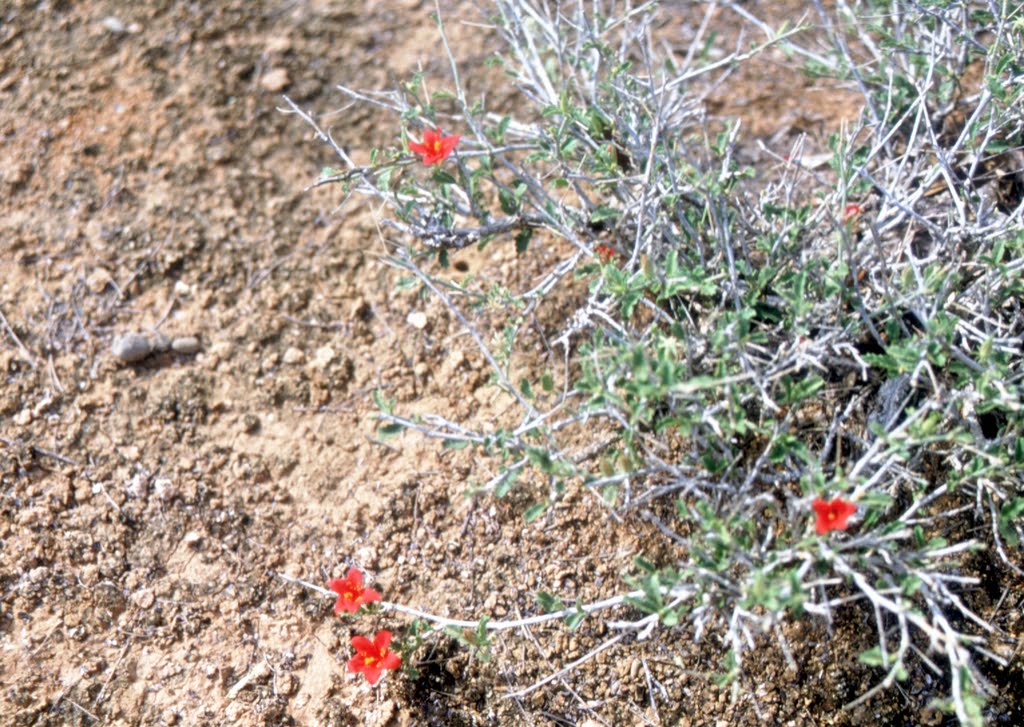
column 149, row 183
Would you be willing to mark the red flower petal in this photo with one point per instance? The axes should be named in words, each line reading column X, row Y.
column 832, row 515
column 436, row 147
column 418, row 148
column 372, row 657
column 351, row 594
column 368, row 596
column 362, row 645
column 382, row 640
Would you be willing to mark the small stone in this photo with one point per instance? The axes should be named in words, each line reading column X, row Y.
column 250, row 423
column 23, row 417
column 131, row 347
column 187, row 345
column 417, row 319
column 137, row 486
column 144, row 599
column 322, row 358
column 164, row 488
column 182, row 288
column 275, row 80
column 192, row 539
column 279, row 44
column 294, row 356
column 114, row 25
column 98, row 280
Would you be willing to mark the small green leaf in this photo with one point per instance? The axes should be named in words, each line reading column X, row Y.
column 523, row 239
column 548, row 603
column 872, row 657
column 574, row 620
column 603, row 213
column 442, row 177
column 535, row 511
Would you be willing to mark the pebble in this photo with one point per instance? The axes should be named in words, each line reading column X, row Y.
column 417, row 319
column 182, row 288
column 144, row 598
column 187, row 345
column 137, row 486
column 23, row 417
column 114, row 25
column 98, row 280
column 294, row 356
column 131, row 347
column 280, row 44
column 164, row 488
column 323, row 358
column 192, row 539
column 275, row 80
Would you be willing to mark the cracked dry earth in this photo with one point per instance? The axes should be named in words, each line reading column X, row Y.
column 150, row 184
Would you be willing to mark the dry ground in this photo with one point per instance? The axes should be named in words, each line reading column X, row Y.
column 149, row 183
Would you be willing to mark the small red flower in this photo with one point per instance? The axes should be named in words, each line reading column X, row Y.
column 351, row 594
column 851, row 212
column 605, row 253
column 832, row 515
column 435, row 147
column 373, row 657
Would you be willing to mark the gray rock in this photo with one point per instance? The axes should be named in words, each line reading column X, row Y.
column 131, row 347
column 187, row 345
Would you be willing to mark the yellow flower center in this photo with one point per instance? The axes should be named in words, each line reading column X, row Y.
column 437, row 146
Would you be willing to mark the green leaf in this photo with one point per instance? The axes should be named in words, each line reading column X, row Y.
column 535, row 511
column 574, row 620
column 548, row 603
column 442, row 177
column 385, row 405
column 499, row 131
column 603, row 213
column 871, row 657
column 523, row 238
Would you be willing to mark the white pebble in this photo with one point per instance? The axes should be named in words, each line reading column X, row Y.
column 417, row 319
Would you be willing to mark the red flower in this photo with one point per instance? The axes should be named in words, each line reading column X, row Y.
column 605, row 253
column 373, row 657
column 851, row 212
column 832, row 515
column 351, row 594
column 435, row 147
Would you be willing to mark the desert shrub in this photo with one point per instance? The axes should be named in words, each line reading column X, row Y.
column 751, row 355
